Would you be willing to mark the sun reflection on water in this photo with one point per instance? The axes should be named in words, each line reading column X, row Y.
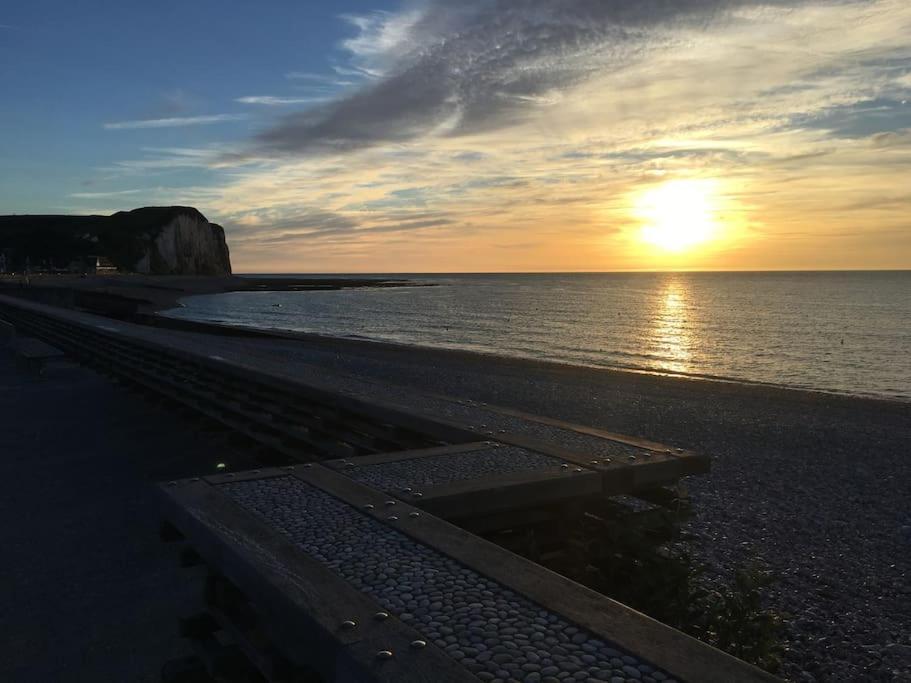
column 671, row 334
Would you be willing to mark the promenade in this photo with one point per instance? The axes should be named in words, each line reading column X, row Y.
column 90, row 592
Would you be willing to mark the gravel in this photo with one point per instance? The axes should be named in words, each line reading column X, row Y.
column 490, row 630
column 814, row 487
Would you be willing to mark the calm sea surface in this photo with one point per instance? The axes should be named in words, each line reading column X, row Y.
column 846, row 332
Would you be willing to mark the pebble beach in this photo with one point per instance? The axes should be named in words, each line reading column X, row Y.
column 812, row 487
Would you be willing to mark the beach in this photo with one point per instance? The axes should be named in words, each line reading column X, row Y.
column 811, row 486
column 147, row 294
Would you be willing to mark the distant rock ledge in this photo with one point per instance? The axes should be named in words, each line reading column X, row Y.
column 154, row 240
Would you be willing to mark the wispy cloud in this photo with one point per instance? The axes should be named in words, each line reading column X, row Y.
column 443, row 69
column 103, row 195
column 274, row 101
column 174, row 121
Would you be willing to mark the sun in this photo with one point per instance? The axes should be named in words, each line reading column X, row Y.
column 679, row 214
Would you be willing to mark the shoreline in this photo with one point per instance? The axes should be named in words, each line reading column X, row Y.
column 154, row 293
column 161, row 319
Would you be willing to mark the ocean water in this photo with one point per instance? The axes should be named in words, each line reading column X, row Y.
column 847, row 332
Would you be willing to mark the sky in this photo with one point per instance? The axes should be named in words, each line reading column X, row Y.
column 484, row 135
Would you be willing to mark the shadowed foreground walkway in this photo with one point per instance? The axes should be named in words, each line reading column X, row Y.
column 90, row 594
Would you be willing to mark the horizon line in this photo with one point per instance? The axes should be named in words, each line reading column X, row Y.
column 577, row 272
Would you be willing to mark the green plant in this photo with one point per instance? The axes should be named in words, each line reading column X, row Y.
column 733, row 619
column 629, row 557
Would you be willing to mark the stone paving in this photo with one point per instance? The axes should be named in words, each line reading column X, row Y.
column 492, row 631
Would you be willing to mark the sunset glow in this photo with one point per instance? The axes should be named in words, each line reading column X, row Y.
column 679, row 214
column 539, row 136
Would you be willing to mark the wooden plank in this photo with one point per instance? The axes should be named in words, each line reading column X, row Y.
column 396, row 456
column 570, row 426
column 493, row 494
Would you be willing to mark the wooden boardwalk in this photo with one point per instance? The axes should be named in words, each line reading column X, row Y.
column 335, row 579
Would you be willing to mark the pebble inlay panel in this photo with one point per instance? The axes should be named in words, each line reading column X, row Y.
column 493, row 632
column 435, row 470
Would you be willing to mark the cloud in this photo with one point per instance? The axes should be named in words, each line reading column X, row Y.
column 174, row 121
column 275, row 101
column 495, row 123
column 267, row 228
column 310, row 76
column 103, row 195
column 437, row 68
column 896, row 138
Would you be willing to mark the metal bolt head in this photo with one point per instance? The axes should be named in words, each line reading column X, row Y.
column 407, row 489
column 414, row 514
column 393, row 518
column 381, row 616
column 349, row 624
column 595, row 462
column 578, row 469
column 368, row 506
column 632, row 457
column 564, row 466
column 390, row 503
column 417, row 494
column 679, row 450
column 418, row 644
column 172, row 483
column 384, row 655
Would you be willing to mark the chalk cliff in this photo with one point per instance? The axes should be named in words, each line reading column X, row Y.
column 157, row 240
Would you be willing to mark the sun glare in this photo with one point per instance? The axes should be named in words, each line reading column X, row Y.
column 679, row 214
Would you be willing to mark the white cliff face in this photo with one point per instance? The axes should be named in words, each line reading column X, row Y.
column 187, row 246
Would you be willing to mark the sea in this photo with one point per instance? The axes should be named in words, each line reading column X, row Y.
column 844, row 332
